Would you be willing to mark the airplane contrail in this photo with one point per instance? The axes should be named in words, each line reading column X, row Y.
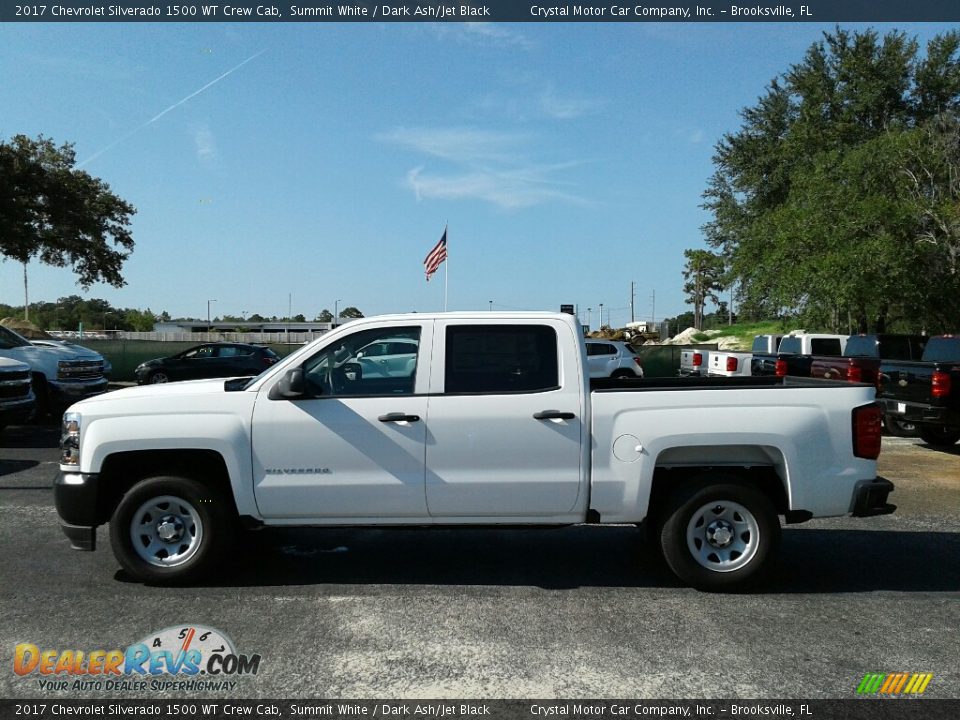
column 164, row 112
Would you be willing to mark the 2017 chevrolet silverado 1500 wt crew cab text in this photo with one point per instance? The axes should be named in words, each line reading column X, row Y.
column 495, row 423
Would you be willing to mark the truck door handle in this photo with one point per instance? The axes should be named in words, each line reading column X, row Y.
column 553, row 415
column 398, row 417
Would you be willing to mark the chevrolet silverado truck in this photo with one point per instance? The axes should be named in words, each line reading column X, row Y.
column 797, row 353
column 926, row 393
column 495, row 423
column 16, row 393
column 867, row 358
column 60, row 375
column 763, row 354
column 728, row 363
column 695, row 360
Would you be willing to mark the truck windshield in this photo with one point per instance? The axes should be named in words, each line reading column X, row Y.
column 942, row 349
column 10, row 339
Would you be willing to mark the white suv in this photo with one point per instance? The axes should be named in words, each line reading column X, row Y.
column 611, row 358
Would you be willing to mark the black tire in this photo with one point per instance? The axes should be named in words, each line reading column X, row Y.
column 188, row 529
column 939, row 435
column 158, row 376
column 899, row 428
column 745, row 531
column 42, row 391
column 623, row 374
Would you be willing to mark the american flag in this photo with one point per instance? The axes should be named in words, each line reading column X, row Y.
column 436, row 256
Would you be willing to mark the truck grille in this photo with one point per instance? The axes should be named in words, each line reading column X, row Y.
column 80, row 370
column 14, row 385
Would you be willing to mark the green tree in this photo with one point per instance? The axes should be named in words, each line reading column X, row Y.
column 833, row 201
column 351, row 312
column 703, row 278
column 324, row 316
column 60, row 215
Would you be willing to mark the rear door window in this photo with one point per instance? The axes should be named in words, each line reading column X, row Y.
column 497, row 359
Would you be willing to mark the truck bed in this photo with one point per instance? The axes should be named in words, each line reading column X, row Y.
column 718, row 383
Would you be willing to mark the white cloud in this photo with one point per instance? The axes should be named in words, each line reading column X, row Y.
column 480, row 33
column 510, row 190
column 561, row 107
column 461, row 145
column 205, row 143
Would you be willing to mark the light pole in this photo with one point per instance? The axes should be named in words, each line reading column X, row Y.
column 491, row 306
column 208, row 313
column 105, row 320
column 336, row 311
column 601, row 315
column 589, row 317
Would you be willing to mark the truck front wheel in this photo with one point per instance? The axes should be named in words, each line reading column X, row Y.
column 170, row 530
column 719, row 534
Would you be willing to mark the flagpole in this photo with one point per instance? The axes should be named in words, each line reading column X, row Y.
column 446, row 267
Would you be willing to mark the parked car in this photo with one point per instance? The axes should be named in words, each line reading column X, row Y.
column 390, row 357
column 17, row 400
column 612, row 358
column 498, row 426
column 60, row 375
column 926, row 393
column 210, row 360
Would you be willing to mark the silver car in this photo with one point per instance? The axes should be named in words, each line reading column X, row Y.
column 612, row 358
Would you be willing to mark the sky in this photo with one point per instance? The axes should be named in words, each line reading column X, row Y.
column 308, row 165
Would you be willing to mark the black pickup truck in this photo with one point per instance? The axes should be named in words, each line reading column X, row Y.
column 926, row 393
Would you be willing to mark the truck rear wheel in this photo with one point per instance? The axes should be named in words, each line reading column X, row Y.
column 899, row 428
column 719, row 534
column 939, row 435
column 170, row 530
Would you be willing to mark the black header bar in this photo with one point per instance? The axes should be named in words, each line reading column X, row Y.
column 475, row 11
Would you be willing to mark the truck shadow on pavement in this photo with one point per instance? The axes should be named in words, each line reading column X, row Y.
column 30, row 436
column 811, row 560
column 945, row 449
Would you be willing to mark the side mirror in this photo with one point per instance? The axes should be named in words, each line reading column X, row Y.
column 290, row 387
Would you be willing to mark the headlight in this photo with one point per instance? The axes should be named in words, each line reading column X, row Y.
column 70, row 439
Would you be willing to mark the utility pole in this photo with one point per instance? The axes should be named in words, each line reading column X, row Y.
column 633, row 295
column 653, row 307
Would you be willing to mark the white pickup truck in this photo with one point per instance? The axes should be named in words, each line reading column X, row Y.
column 495, row 423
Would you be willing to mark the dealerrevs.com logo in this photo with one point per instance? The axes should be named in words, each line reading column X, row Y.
column 898, row 683
column 186, row 657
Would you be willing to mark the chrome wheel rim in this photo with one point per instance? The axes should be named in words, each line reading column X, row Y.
column 166, row 531
column 723, row 536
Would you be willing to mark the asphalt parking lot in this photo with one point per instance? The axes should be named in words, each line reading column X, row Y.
column 572, row 613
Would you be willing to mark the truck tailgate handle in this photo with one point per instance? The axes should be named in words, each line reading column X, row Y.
column 553, row 415
column 398, row 417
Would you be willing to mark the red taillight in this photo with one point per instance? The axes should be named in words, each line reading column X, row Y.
column 941, row 384
column 637, row 361
column 697, row 359
column 732, row 364
column 780, row 368
column 855, row 374
column 268, row 361
column 867, row 430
